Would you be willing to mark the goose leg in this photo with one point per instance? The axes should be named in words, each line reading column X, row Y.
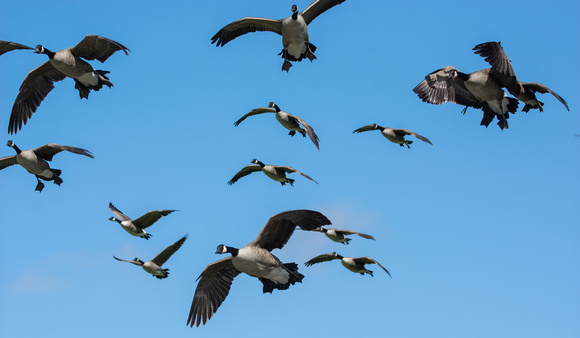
column 39, row 186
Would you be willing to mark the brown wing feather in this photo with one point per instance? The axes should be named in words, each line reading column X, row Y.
column 280, row 227
column 7, row 46
column 37, row 84
column 151, row 217
column 245, row 26
column 318, row 7
column 48, row 151
column 214, row 285
column 97, row 47
column 164, row 255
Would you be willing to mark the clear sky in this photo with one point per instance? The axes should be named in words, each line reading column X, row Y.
column 479, row 231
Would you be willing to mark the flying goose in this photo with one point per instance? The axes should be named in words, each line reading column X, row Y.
column 393, row 135
column 254, row 260
column 339, row 236
column 7, row 46
column 153, row 266
column 502, row 71
column 353, row 264
column 275, row 172
column 478, row 90
column 294, row 31
column 287, row 120
column 64, row 63
column 137, row 227
column 35, row 161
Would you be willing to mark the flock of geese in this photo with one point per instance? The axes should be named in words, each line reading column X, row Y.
column 482, row 89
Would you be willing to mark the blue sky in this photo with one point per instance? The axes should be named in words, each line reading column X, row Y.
column 479, row 231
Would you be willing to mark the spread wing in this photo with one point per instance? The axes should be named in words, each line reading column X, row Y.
column 94, row 47
column 260, row 110
column 37, row 84
column 244, row 172
column 151, row 217
column 318, row 7
column 164, row 255
column 368, row 260
column 120, row 215
column 280, row 227
column 7, row 46
column 350, row 232
column 321, row 258
column 48, row 151
column 501, row 66
column 408, row 132
column 214, row 285
column 541, row 88
column 438, row 88
column 7, row 161
column 366, row 128
column 309, row 130
column 292, row 170
column 245, row 26
column 122, row 260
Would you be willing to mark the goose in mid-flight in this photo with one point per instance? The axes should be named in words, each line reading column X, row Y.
column 153, row 266
column 275, row 172
column 502, row 71
column 7, row 46
column 393, row 135
column 339, row 236
column 287, row 120
column 64, row 63
column 353, row 264
column 35, row 161
column 478, row 90
column 294, row 31
column 137, row 227
column 254, row 260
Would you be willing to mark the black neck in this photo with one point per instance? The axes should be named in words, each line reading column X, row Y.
column 261, row 164
column 233, row 251
column 276, row 107
column 294, row 16
column 18, row 151
column 462, row 76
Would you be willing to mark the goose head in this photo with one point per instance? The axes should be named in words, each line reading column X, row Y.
column 39, row 49
column 255, row 161
column 114, row 220
column 137, row 260
column 221, row 249
column 11, row 144
column 294, row 9
column 273, row 105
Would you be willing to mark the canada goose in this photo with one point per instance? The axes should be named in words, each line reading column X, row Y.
column 353, row 264
column 254, row 260
column 153, row 266
column 61, row 64
column 275, row 172
column 287, row 120
column 393, row 135
column 35, row 161
column 339, row 236
column 137, row 227
column 502, row 71
column 7, row 46
column 294, row 31
column 478, row 90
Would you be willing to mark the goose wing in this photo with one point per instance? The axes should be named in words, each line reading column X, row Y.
column 120, row 215
column 244, row 172
column 244, row 26
column 501, row 66
column 289, row 169
column 368, row 260
column 7, row 46
column 408, row 132
column 438, row 88
column 280, row 227
column 322, row 258
column 48, row 151
column 541, row 88
column 97, row 47
column 318, row 7
column 164, row 255
column 122, row 260
column 260, row 110
column 37, row 84
column 214, row 285
column 309, row 130
column 366, row 128
column 151, row 217
column 350, row 232
column 7, row 161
